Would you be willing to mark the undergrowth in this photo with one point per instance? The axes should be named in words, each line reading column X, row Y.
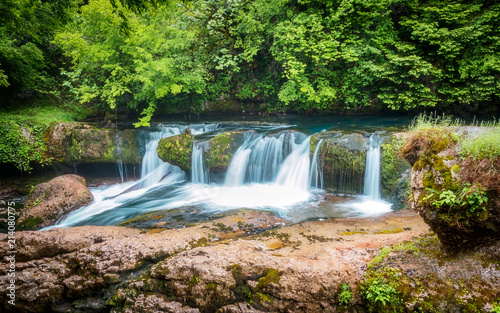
column 484, row 145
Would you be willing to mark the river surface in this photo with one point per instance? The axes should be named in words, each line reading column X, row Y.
column 272, row 170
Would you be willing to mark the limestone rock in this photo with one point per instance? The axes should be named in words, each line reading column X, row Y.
column 51, row 200
column 437, row 168
column 192, row 269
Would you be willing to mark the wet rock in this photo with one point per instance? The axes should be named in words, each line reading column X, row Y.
column 394, row 171
column 88, row 259
column 177, row 150
column 51, row 200
column 342, row 158
column 158, row 303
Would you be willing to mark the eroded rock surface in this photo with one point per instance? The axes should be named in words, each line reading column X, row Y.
column 201, row 268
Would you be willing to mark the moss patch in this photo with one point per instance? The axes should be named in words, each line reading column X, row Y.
column 416, row 277
column 31, row 223
column 343, row 161
column 177, row 150
column 221, row 150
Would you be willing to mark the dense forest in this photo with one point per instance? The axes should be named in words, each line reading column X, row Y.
column 307, row 56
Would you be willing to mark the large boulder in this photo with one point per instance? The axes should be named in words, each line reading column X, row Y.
column 464, row 213
column 51, row 200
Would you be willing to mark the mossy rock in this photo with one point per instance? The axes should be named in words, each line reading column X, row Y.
column 221, row 150
column 177, row 150
column 92, row 145
column 126, row 146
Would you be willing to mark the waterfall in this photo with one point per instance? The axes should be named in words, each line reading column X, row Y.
column 316, row 175
column 294, row 173
column 260, row 158
column 198, row 175
column 121, row 169
column 237, row 169
column 266, row 158
column 372, row 172
column 152, row 170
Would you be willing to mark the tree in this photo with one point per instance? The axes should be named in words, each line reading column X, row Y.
column 137, row 69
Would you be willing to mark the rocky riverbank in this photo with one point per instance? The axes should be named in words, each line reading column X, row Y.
column 240, row 263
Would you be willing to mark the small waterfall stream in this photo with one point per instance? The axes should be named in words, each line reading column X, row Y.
column 198, row 174
column 372, row 172
column 316, row 174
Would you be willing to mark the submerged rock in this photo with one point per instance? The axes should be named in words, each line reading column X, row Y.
column 51, row 200
column 177, row 150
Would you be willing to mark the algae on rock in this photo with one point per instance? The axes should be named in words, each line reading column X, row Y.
column 394, row 171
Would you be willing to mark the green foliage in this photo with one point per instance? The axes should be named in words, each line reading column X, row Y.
column 193, row 56
column 26, row 55
column 471, row 199
column 486, row 145
column 345, row 296
column 21, row 144
column 137, row 70
column 496, row 308
column 380, row 291
column 332, row 52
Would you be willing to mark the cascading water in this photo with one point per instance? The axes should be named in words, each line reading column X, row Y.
column 152, row 170
column 198, row 175
column 266, row 158
column 372, row 203
column 316, row 174
column 271, row 170
column 372, row 172
column 294, row 172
